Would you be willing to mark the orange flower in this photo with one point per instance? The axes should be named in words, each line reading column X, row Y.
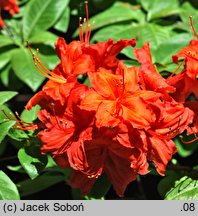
column 186, row 81
column 10, row 6
column 185, row 86
column 102, row 151
column 124, row 121
column 150, row 77
column 190, row 55
column 119, row 97
column 193, row 105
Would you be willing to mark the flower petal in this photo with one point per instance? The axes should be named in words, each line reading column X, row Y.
column 160, row 152
column 151, row 78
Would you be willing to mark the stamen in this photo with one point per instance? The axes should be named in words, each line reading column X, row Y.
column 94, row 175
column 179, row 66
column 123, row 80
column 193, row 28
column 20, row 123
column 85, row 35
column 89, row 31
column 87, row 10
column 189, row 142
column 80, row 29
column 43, row 70
column 87, row 22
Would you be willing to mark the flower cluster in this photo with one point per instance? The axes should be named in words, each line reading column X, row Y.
column 10, row 6
column 123, row 122
column 186, row 81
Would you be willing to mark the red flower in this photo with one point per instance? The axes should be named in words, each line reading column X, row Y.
column 104, row 152
column 185, row 86
column 64, row 77
column 56, row 133
column 104, row 54
column 193, row 105
column 186, row 81
column 160, row 152
column 62, row 125
column 172, row 119
column 190, row 56
column 73, row 59
column 124, row 121
column 119, row 97
column 10, row 6
column 76, row 58
column 149, row 76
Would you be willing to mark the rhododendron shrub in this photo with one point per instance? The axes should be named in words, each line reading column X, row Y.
column 126, row 120
column 125, row 123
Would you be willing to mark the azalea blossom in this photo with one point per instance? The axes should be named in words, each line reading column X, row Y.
column 124, row 122
column 186, row 81
column 119, row 97
column 91, row 139
column 77, row 57
column 10, row 6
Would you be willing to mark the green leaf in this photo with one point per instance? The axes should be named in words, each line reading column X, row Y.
column 4, row 128
column 63, row 22
column 50, row 60
column 50, row 163
column 87, row 82
column 159, row 9
column 145, row 4
column 155, row 34
column 8, row 190
column 185, row 188
column 4, row 108
column 3, row 146
column 6, row 96
column 185, row 150
column 168, row 182
column 25, row 70
column 30, row 115
column 5, row 58
column 163, row 53
column 13, row 31
column 115, row 14
column 130, row 63
column 40, row 183
column 188, row 10
column 166, row 69
column 18, row 135
column 18, row 168
column 115, row 32
column 41, row 15
column 100, row 188
column 4, row 75
column 32, row 161
column 5, row 41
column 43, row 37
